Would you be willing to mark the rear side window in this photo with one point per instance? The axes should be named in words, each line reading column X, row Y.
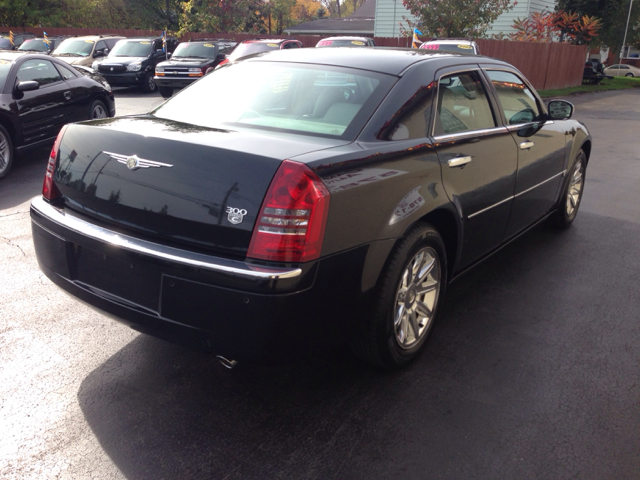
column 462, row 104
column 517, row 101
column 66, row 72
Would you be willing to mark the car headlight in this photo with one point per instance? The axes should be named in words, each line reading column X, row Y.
column 94, row 65
column 160, row 69
column 195, row 70
column 134, row 67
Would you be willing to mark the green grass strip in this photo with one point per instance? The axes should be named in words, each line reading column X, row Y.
column 618, row 83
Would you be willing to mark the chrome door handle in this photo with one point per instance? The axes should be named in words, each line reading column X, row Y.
column 67, row 95
column 458, row 161
column 526, row 145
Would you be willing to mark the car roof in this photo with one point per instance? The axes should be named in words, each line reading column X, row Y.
column 94, row 37
column 450, row 41
column 12, row 55
column 268, row 40
column 378, row 59
column 347, row 38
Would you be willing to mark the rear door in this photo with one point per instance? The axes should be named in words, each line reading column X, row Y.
column 540, row 145
column 478, row 159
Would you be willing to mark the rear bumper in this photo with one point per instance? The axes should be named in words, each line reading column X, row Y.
column 238, row 309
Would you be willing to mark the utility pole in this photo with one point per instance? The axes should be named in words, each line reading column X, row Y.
column 624, row 41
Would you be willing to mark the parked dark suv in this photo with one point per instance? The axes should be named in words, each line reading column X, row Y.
column 190, row 60
column 132, row 62
column 18, row 38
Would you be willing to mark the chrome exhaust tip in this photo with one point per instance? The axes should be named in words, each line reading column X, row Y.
column 226, row 363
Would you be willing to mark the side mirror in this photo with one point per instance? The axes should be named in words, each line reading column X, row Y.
column 27, row 86
column 560, row 110
column 98, row 53
column 168, row 55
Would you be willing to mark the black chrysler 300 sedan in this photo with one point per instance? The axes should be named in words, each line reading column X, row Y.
column 40, row 94
column 326, row 196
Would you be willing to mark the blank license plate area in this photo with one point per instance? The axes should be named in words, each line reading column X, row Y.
column 132, row 280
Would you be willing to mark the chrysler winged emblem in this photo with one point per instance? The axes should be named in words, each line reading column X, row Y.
column 133, row 162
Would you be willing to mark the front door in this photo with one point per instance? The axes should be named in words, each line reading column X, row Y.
column 541, row 150
column 44, row 111
column 479, row 161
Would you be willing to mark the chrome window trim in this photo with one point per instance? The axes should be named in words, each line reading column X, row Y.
column 518, row 126
column 470, row 133
column 161, row 252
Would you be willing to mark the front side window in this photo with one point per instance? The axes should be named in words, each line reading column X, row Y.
column 42, row 71
column 324, row 101
column 66, row 72
column 516, row 99
column 462, row 104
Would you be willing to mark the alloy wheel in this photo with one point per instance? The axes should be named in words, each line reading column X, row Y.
column 416, row 298
column 99, row 112
column 5, row 153
column 575, row 188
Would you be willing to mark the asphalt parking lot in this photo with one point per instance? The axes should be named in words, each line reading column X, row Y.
column 533, row 371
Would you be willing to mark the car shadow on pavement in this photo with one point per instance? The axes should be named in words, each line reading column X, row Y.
column 518, row 380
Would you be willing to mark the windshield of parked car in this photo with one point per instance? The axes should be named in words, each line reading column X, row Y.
column 448, row 47
column 131, row 48
column 36, row 44
column 75, row 47
column 244, row 49
column 195, row 50
column 5, row 44
column 341, row 43
column 5, row 66
column 326, row 101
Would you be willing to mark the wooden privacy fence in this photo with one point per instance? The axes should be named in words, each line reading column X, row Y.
column 546, row 65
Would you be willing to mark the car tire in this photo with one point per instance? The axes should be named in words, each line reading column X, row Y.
column 629, row 74
column 166, row 92
column 572, row 194
column 149, row 84
column 408, row 298
column 6, row 152
column 98, row 110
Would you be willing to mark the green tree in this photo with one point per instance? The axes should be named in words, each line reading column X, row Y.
column 456, row 18
column 614, row 19
column 223, row 16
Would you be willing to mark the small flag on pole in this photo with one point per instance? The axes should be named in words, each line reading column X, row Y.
column 416, row 40
column 46, row 39
column 11, row 37
column 164, row 40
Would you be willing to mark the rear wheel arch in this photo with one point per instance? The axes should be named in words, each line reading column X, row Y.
column 586, row 146
column 444, row 221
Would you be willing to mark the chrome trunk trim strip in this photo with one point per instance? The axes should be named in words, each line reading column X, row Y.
column 162, row 252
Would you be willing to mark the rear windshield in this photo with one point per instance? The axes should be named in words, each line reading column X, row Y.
column 195, row 50
column 448, row 47
column 75, row 47
column 245, row 49
column 35, row 44
column 341, row 43
column 4, row 71
column 131, row 48
column 324, row 101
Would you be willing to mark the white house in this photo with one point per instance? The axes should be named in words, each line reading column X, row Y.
column 389, row 13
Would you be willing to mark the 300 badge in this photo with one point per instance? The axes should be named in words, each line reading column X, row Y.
column 235, row 215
